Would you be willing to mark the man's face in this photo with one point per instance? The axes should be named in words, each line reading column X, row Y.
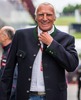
column 2, row 36
column 45, row 17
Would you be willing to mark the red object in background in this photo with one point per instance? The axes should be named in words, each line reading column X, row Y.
column 29, row 7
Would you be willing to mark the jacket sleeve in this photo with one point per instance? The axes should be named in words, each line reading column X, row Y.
column 66, row 56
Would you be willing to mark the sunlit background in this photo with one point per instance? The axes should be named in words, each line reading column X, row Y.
column 20, row 13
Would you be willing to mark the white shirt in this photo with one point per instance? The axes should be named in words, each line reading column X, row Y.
column 37, row 80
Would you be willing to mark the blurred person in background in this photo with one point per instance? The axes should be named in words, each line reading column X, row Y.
column 43, row 53
column 3, row 95
column 6, row 36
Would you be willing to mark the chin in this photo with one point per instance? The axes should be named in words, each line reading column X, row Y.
column 45, row 28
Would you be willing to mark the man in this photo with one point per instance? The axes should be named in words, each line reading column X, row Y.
column 6, row 36
column 43, row 54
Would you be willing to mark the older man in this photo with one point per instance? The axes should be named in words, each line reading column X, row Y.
column 43, row 54
column 6, row 36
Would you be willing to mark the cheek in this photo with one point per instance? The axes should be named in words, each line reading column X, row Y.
column 38, row 22
column 0, row 40
column 38, row 19
column 52, row 21
column 0, row 37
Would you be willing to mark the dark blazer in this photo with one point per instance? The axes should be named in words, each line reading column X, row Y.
column 58, row 57
column 3, row 63
column 3, row 95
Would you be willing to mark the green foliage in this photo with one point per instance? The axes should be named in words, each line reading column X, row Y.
column 67, row 20
column 76, row 35
column 71, row 8
column 78, row 6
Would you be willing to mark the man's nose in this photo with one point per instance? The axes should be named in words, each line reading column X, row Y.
column 45, row 17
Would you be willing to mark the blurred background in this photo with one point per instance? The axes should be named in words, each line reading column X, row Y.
column 20, row 14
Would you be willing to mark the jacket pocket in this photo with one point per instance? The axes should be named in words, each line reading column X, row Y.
column 21, row 54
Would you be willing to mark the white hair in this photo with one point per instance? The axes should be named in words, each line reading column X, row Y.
column 45, row 3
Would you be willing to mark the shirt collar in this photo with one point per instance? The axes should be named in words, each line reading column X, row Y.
column 49, row 32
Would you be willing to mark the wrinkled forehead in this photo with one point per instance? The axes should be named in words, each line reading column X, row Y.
column 1, row 31
column 45, row 7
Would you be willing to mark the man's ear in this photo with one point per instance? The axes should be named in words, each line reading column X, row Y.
column 35, row 18
column 6, row 36
column 55, row 18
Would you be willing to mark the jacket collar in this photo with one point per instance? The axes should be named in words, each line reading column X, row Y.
column 36, row 33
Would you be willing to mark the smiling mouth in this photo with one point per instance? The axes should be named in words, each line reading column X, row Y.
column 45, row 24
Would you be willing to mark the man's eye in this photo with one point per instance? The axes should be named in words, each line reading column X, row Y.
column 40, row 15
column 49, row 14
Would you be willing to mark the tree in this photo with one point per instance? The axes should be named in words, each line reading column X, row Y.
column 70, row 9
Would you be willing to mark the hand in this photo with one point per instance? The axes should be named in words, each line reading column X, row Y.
column 45, row 38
